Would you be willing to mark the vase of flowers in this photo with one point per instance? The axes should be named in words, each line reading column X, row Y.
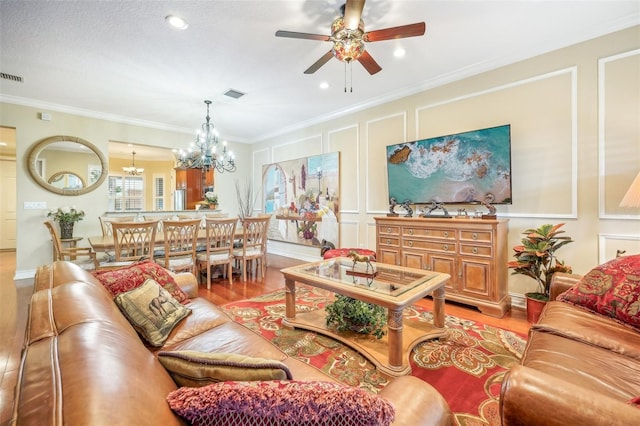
column 212, row 199
column 536, row 258
column 66, row 218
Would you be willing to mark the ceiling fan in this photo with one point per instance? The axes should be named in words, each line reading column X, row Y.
column 348, row 38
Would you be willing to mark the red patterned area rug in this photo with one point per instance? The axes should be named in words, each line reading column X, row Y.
column 467, row 368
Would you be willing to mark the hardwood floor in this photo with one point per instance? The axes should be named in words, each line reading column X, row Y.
column 14, row 299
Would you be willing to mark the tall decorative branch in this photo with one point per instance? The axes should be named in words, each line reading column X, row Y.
column 246, row 199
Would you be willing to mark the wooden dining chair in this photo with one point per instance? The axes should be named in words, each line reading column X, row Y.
column 105, row 223
column 219, row 247
column 132, row 242
column 180, row 240
column 84, row 257
column 254, row 244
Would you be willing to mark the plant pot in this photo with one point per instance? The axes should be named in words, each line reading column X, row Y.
column 534, row 308
column 66, row 230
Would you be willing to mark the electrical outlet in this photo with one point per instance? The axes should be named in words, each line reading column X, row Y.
column 35, row 205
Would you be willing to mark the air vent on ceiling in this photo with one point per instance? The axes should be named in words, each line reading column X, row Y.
column 10, row 77
column 235, row 94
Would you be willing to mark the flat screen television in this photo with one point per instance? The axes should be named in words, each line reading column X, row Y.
column 463, row 168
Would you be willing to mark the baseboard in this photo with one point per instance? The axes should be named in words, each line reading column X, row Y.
column 518, row 300
column 27, row 274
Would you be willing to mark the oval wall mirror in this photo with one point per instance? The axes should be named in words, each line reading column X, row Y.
column 67, row 165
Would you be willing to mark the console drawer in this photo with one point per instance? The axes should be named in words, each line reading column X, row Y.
column 408, row 231
column 389, row 241
column 444, row 246
column 476, row 250
column 388, row 229
column 476, row 235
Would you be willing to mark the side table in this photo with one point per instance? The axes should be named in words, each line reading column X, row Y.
column 71, row 242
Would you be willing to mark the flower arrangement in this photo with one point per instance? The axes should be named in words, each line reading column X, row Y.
column 536, row 257
column 66, row 214
column 211, row 197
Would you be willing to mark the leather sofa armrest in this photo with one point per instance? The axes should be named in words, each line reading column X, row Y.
column 417, row 403
column 187, row 282
column 561, row 282
column 531, row 397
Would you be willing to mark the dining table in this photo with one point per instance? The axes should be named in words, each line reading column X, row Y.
column 105, row 243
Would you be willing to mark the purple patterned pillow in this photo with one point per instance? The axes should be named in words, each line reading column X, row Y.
column 280, row 402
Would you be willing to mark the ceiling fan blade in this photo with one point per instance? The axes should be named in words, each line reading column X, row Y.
column 306, row 36
column 369, row 63
column 320, row 62
column 411, row 30
column 353, row 13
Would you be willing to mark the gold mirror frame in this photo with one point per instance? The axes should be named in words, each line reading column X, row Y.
column 35, row 150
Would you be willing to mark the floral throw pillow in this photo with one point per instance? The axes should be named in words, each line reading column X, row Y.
column 280, row 402
column 611, row 289
column 127, row 278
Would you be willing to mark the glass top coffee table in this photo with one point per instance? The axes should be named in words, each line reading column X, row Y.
column 392, row 287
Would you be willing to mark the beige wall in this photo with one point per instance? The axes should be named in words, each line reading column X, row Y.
column 33, row 246
column 574, row 116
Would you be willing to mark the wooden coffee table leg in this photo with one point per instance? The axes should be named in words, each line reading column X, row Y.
column 394, row 338
column 290, row 298
column 438, row 307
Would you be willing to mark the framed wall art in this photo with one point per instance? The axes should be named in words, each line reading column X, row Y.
column 303, row 198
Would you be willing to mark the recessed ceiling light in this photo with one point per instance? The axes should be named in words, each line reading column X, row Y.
column 324, row 85
column 399, row 52
column 177, row 22
column 3, row 144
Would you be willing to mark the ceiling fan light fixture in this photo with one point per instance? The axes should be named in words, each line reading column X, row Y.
column 347, row 44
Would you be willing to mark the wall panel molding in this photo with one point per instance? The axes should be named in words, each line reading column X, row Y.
column 370, row 159
column 344, row 161
column 572, row 164
column 609, row 243
column 603, row 141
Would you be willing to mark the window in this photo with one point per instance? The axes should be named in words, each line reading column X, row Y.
column 126, row 193
column 158, row 192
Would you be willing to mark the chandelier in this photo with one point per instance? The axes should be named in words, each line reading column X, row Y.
column 202, row 152
column 133, row 170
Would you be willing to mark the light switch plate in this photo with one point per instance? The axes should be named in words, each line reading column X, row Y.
column 35, row 205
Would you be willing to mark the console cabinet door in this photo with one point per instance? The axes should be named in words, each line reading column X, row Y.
column 446, row 265
column 475, row 278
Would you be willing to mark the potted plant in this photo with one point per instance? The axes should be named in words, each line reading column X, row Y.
column 348, row 314
column 66, row 218
column 536, row 258
column 212, row 199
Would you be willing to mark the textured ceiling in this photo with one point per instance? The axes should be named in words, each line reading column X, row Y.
column 120, row 60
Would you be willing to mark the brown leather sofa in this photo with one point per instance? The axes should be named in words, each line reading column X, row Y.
column 83, row 363
column 578, row 368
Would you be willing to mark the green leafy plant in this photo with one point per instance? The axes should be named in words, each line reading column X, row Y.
column 66, row 214
column 211, row 197
column 536, row 257
column 348, row 314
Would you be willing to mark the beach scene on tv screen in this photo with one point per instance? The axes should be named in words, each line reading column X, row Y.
column 459, row 168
